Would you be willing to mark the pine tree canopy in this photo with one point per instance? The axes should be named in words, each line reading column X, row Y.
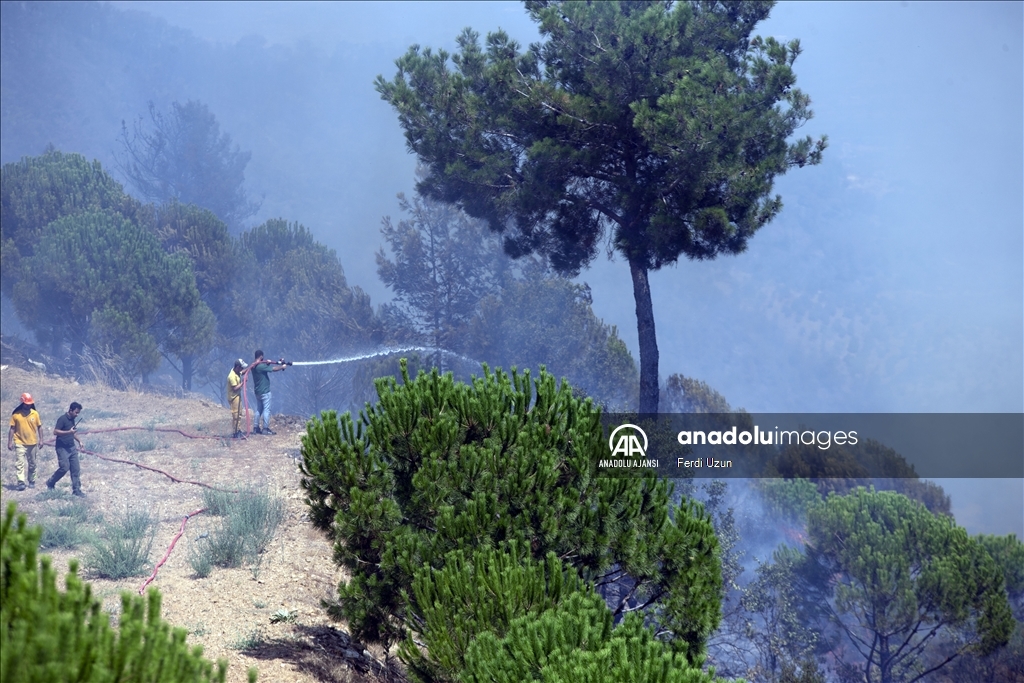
column 655, row 128
column 36, row 191
column 438, row 465
column 290, row 292
column 99, row 278
column 473, row 593
column 893, row 576
column 575, row 643
column 204, row 238
column 184, row 156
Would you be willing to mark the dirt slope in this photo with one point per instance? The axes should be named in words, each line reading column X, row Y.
column 229, row 612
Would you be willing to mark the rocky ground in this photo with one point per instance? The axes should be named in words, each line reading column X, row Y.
column 229, row 612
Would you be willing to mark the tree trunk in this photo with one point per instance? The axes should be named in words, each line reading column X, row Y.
column 647, row 337
column 186, row 373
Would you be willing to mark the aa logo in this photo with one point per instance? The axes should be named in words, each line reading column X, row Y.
column 628, row 445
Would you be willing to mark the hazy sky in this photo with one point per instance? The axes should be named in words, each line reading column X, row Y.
column 893, row 280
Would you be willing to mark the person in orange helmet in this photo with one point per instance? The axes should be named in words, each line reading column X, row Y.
column 24, row 437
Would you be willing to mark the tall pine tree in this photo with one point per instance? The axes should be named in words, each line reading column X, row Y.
column 661, row 125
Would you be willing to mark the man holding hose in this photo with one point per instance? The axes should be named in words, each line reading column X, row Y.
column 260, row 371
column 235, row 397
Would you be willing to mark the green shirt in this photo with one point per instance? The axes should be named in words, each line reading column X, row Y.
column 261, row 378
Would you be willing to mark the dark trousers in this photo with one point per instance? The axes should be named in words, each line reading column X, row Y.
column 67, row 458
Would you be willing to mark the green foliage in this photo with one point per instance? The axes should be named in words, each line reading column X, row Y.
column 253, row 640
column 188, row 337
column 217, row 502
column 74, row 510
column 199, row 234
column 1008, row 552
column 806, row 672
column 63, row 533
column 141, row 444
column 777, row 623
column 203, row 238
column 283, row 616
column 36, row 191
column 123, row 550
column 892, row 576
column 724, row 521
column 49, row 635
column 200, row 558
column 841, row 469
column 460, row 292
column 53, row 494
column 575, row 643
column 437, row 465
column 183, row 156
column 473, row 594
column 98, row 277
column 1005, row 664
column 662, row 125
column 789, row 499
column 255, row 515
column 224, row 549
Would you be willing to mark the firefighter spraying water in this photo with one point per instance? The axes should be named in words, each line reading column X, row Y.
column 260, row 369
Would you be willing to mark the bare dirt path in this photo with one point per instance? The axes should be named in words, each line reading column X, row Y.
column 229, row 612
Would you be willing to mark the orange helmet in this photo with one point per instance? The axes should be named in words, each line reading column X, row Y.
column 26, row 398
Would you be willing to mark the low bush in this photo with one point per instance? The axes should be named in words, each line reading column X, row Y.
column 53, row 494
column 225, row 547
column 217, row 502
column 141, row 444
column 200, row 558
column 250, row 519
column 74, row 510
column 63, row 532
column 255, row 516
column 124, row 548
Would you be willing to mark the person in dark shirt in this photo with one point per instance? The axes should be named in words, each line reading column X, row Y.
column 67, row 452
column 260, row 373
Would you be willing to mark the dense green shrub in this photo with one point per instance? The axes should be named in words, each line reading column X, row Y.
column 475, row 593
column 575, row 643
column 437, row 466
column 50, row 635
column 1008, row 552
column 255, row 515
